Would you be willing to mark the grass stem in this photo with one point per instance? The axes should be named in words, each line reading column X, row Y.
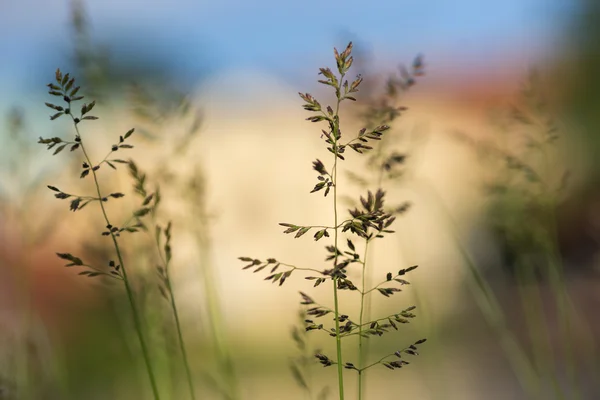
column 338, row 339
column 361, row 350
column 136, row 317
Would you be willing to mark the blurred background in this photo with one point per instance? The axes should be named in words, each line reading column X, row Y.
column 498, row 150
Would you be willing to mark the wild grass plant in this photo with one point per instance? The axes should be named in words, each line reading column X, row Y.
column 383, row 167
column 367, row 222
column 524, row 193
column 157, row 108
column 485, row 297
column 187, row 181
column 155, row 327
column 349, row 253
column 115, row 268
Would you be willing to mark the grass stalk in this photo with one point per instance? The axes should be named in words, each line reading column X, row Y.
column 533, row 309
column 338, row 339
column 361, row 349
column 216, row 323
column 366, row 302
column 166, row 261
column 564, row 305
column 367, row 222
column 382, row 110
column 64, row 89
column 181, row 342
column 487, row 302
column 130, row 296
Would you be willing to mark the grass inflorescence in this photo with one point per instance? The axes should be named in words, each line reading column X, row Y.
column 115, row 268
column 367, row 222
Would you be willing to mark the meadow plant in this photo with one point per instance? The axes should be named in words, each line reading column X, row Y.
column 527, row 187
column 155, row 116
column 156, row 106
column 386, row 164
column 526, row 183
column 115, row 268
column 166, row 289
column 144, row 106
column 162, row 241
column 367, row 222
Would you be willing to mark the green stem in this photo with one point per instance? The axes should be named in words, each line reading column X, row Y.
column 137, row 322
column 136, row 317
column 361, row 350
column 564, row 305
column 565, row 320
column 534, row 320
column 338, row 343
column 215, row 317
column 367, row 281
column 338, row 339
column 213, row 304
column 493, row 313
column 173, row 304
column 180, row 337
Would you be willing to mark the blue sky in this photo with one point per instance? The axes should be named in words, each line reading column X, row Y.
column 282, row 37
column 286, row 39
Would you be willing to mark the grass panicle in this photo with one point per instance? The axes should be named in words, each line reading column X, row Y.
column 368, row 221
column 64, row 88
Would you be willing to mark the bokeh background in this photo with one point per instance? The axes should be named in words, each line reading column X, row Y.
column 501, row 173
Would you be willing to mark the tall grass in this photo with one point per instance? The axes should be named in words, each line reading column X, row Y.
column 368, row 223
column 524, row 196
column 64, row 88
